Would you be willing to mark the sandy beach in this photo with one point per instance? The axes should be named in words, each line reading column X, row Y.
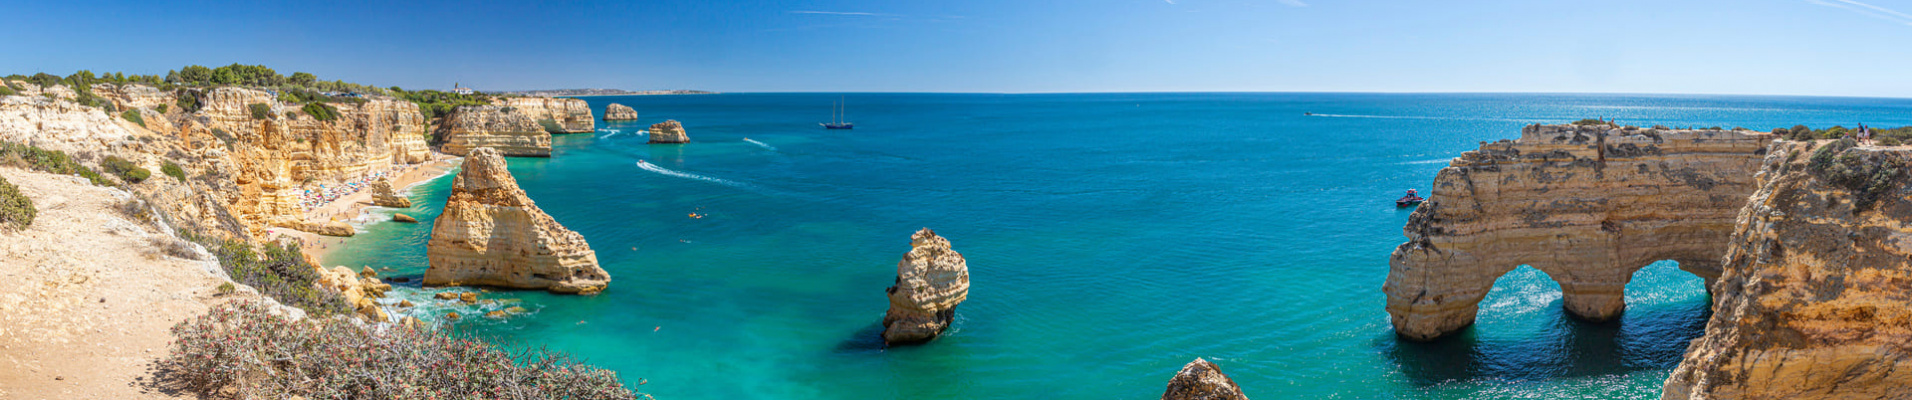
column 351, row 208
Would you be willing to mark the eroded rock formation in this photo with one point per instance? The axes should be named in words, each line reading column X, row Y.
column 1816, row 298
column 510, row 131
column 563, row 115
column 1588, row 205
column 384, row 196
column 1202, row 380
column 491, row 234
column 668, row 132
column 619, row 112
column 930, row 281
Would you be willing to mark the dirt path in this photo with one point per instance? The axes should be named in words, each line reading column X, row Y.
column 89, row 298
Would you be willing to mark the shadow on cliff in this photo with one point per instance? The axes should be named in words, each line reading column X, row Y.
column 1649, row 339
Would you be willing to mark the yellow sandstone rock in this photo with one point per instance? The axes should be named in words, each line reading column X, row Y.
column 1202, row 380
column 510, row 131
column 1587, row 204
column 669, row 132
column 930, row 281
column 491, row 234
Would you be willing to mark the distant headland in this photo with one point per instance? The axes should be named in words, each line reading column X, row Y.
column 598, row 92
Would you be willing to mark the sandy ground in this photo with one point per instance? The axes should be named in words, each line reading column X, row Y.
column 350, row 207
column 89, row 299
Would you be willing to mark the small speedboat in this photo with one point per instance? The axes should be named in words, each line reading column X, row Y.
column 1410, row 200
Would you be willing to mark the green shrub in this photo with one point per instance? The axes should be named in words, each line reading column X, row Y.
column 280, row 272
column 260, row 110
column 1888, row 141
column 1590, row 121
column 225, row 288
column 173, row 170
column 16, row 210
column 320, row 111
column 1868, row 175
column 133, row 116
column 52, row 161
column 161, row 108
column 187, row 101
column 1834, row 132
column 7, row 91
column 126, row 170
column 241, row 350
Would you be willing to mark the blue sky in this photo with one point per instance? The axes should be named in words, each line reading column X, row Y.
column 1803, row 47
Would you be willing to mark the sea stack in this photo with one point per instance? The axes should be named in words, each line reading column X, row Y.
column 668, row 132
column 491, row 234
column 384, row 196
column 619, row 112
column 930, row 281
column 510, row 131
column 1202, row 380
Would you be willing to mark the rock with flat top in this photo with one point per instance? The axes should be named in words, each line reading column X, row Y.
column 668, row 132
column 619, row 112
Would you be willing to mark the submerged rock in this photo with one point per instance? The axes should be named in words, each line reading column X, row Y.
column 619, row 112
column 491, row 234
column 930, row 281
column 669, row 131
column 1202, row 380
column 404, row 218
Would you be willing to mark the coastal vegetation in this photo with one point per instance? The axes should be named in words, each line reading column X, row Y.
column 53, row 161
column 16, row 210
column 435, row 104
column 133, row 116
column 125, row 170
column 173, row 170
column 260, row 110
column 320, row 111
column 275, row 270
column 1868, row 175
column 244, row 350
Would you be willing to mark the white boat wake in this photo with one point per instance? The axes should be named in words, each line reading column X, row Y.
column 761, row 144
column 647, row 166
column 613, row 133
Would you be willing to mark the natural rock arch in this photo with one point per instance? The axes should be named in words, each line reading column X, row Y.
column 1587, row 205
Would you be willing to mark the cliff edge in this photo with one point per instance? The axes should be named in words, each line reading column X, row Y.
column 1816, row 298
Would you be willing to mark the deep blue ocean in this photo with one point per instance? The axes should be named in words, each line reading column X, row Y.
column 1111, row 238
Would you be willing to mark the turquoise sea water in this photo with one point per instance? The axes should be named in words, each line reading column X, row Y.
column 1111, row 238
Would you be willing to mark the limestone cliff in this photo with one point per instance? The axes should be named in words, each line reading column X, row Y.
column 58, row 125
column 1588, row 205
column 930, row 281
column 132, row 96
column 565, row 115
column 619, row 112
column 1202, row 380
column 491, row 234
column 1816, row 296
column 508, row 130
column 272, row 160
column 668, row 132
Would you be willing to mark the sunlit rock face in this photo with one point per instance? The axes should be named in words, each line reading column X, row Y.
column 619, row 112
column 274, row 158
column 1587, row 204
column 506, row 129
column 1815, row 301
column 563, row 115
column 930, row 281
column 1202, row 380
column 491, row 234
